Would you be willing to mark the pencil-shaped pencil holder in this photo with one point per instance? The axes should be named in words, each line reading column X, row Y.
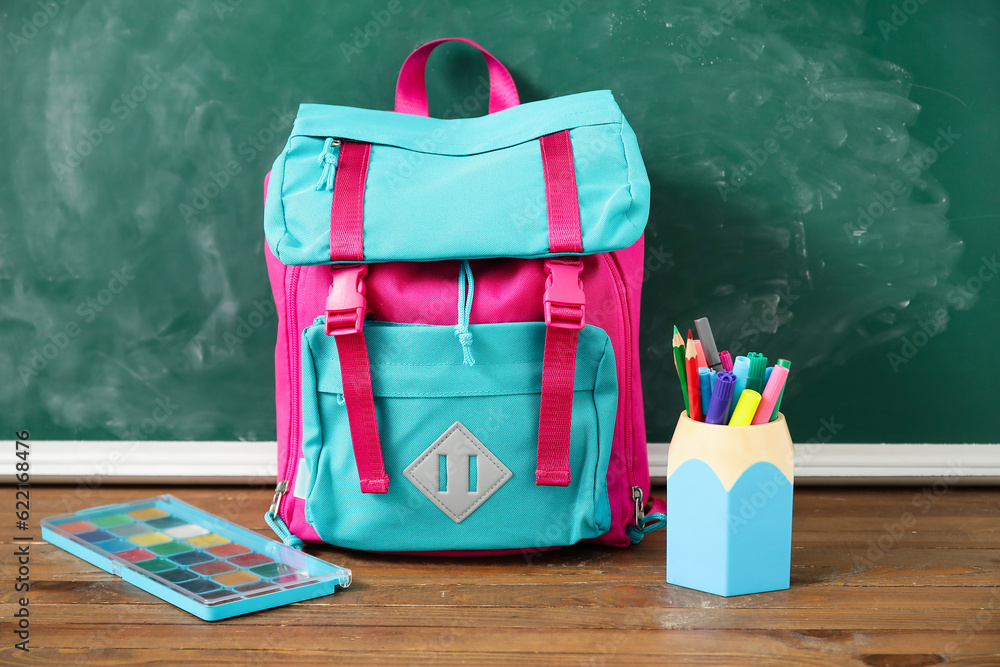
column 729, row 507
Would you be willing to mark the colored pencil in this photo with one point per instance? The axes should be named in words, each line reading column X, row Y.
column 694, row 389
column 679, row 365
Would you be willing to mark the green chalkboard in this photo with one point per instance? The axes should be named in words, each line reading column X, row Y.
column 823, row 190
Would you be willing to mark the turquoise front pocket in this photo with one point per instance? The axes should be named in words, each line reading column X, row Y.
column 459, row 442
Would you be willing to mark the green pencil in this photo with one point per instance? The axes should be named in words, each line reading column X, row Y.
column 679, row 363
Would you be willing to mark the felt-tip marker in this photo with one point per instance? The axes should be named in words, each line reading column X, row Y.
column 708, row 343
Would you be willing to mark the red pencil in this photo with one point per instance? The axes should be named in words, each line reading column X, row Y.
column 693, row 381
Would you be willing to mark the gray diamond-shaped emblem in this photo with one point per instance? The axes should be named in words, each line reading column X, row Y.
column 457, row 473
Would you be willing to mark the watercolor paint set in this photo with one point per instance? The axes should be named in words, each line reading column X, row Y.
column 195, row 560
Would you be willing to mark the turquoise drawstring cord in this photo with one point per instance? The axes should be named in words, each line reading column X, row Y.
column 281, row 530
column 652, row 521
column 327, row 158
column 462, row 332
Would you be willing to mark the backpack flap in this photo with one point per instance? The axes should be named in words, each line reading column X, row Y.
column 434, row 189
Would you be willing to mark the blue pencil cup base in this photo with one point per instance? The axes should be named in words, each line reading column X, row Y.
column 729, row 508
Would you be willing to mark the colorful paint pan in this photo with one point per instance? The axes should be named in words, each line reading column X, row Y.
column 79, row 527
column 165, row 522
column 227, row 550
column 185, row 531
column 209, row 567
column 213, row 567
column 156, row 565
column 147, row 539
column 95, row 536
column 128, row 530
column 170, row 548
column 251, row 560
column 205, row 541
column 236, row 578
column 115, row 546
column 191, row 557
column 111, row 520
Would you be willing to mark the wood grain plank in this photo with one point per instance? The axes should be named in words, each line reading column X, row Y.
column 863, row 593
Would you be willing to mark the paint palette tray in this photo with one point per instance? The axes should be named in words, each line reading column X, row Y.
column 199, row 562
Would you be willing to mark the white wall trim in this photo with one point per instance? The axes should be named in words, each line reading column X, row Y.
column 95, row 462
column 910, row 463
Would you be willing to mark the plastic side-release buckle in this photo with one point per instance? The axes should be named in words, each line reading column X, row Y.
column 346, row 304
column 565, row 301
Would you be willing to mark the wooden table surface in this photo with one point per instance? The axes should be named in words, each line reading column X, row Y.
column 865, row 591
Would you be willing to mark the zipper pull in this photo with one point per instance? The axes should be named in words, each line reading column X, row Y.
column 640, row 515
column 280, row 491
column 274, row 521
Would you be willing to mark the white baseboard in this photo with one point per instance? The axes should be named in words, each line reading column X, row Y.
column 832, row 464
column 95, row 462
column 200, row 462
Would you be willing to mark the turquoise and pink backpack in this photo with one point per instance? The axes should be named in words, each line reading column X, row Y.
column 457, row 365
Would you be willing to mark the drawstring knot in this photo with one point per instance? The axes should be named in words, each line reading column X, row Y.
column 462, row 332
column 465, row 338
column 327, row 158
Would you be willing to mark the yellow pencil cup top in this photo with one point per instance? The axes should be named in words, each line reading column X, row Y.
column 730, row 450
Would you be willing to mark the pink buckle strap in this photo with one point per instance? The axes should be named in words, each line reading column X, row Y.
column 565, row 307
column 558, row 372
column 346, row 303
column 411, row 88
column 345, row 312
column 561, row 199
column 565, row 311
column 564, row 302
column 348, row 209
